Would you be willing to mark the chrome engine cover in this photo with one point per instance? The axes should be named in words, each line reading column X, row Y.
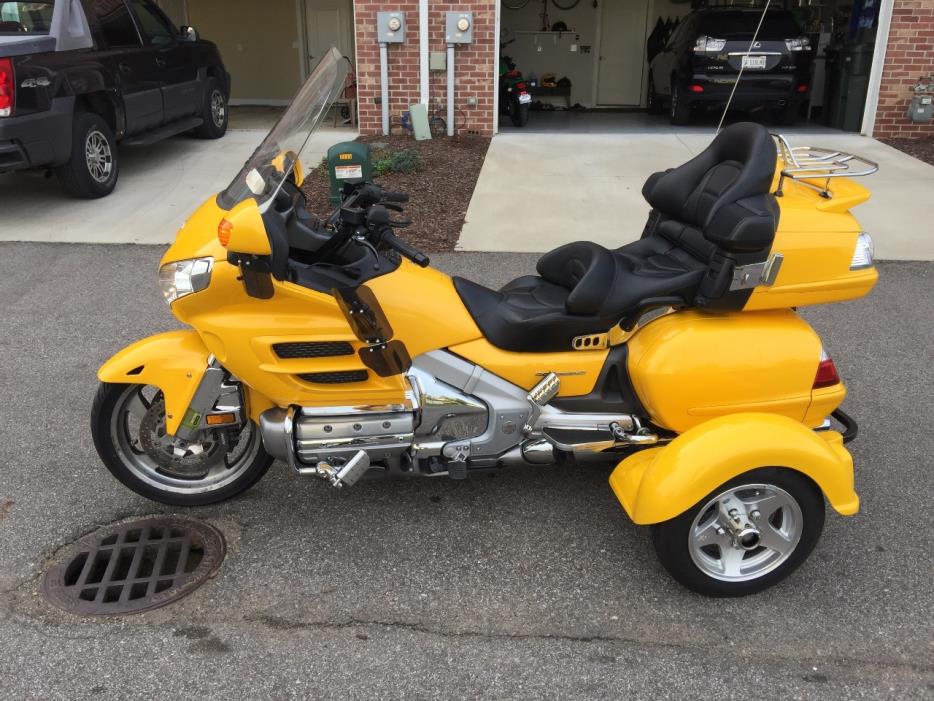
column 329, row 435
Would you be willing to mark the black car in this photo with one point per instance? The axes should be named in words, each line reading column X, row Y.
column 699, row 65
column 79, row 76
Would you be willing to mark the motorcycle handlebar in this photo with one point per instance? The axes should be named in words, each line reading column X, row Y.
column 409, row 251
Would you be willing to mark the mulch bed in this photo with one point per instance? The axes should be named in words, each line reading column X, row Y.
column 438, row 193
column 922, row 149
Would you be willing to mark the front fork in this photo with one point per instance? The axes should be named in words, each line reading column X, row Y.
column 216, row 403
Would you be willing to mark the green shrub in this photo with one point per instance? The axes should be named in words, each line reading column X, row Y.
column 406, row 161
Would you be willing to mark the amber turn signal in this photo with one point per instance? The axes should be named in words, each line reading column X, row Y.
column 224, row 229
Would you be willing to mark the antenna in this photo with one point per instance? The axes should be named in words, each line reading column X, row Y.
column 742, row 65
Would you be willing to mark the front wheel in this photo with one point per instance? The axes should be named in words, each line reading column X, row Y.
column 128, row 427
column 519, row 114
column 214, row 113
column 745, row 536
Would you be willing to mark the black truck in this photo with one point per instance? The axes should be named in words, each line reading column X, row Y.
column 77, row 77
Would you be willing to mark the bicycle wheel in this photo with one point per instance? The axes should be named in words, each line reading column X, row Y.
column 566, row 5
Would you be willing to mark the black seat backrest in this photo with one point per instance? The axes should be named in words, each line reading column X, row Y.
column 722, row 193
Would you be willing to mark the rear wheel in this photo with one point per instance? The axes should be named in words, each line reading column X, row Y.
column 745, row 536
column 128, row 427
column 214, row 113
column 679, row 111
column 92, row 170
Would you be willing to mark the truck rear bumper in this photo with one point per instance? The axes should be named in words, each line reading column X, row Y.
column 39, row 139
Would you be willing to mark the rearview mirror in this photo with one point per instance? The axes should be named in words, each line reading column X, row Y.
column 188, row 33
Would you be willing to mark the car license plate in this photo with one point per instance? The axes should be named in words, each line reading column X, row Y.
column 524, row 98
column 753, row 61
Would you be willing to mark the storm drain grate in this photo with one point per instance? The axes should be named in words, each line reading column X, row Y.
column 134, row 566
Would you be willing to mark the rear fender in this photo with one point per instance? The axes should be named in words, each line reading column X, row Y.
column 174, row 362
column 661, row 483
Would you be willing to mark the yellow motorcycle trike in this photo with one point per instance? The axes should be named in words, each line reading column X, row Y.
column 678, row 360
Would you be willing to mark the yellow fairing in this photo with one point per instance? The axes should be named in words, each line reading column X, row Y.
column 817, row 237
column 422, row 306
column 658, row 484
column 691, row 366
column 578, row 370
column 174, row 362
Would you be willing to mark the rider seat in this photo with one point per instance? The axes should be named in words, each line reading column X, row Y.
column 710, row 215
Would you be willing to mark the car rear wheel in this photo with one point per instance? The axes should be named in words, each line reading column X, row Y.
column 679, row 111
column 214, row 113
column 746, row 535
column 92, row 170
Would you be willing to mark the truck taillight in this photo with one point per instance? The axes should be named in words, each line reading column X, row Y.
column 7, row 91
column 826, row 372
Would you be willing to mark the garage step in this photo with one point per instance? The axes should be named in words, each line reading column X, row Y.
column 164, row 132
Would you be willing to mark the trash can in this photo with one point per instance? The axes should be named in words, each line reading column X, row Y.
column 848, row 70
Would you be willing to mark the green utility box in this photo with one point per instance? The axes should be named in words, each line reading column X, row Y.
column 348, row 162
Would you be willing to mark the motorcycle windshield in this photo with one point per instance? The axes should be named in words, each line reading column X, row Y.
column 276, row 157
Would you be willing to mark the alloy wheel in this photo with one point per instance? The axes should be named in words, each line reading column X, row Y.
column 745, row 532
column 218, row 108
column 98, row 156
column 215, row 459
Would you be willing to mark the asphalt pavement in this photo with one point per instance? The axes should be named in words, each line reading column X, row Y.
column 529, row 584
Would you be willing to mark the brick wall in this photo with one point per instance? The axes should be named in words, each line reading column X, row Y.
column 474, row 64
column 909, row 56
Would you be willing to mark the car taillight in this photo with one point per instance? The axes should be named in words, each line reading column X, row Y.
column 7, row 91
column 803, row 87
column 798, row 44
column 705, row 43
column 696, row 88
column 826, row 372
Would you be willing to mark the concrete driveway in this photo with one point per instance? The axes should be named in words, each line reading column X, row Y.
column 530, row 585
column 537, row 191
column 159, row 187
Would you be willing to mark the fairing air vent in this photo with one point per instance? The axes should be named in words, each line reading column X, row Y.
column 312, row 349
column 335, row 378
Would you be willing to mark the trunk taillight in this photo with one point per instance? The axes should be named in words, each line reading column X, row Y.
column 826, row 372
column 7, row 91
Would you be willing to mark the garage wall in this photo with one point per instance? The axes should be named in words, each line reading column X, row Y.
column 550, row 53
column 259, row 42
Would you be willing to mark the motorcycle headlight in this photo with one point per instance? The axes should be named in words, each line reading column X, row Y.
column 863, row 253
column 184, row 277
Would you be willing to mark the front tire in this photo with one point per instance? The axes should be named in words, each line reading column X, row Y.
column 785, row 510
column 128, row 427
column 652, row 103
column 214, row 113
column 91, row 171
column 519, row 114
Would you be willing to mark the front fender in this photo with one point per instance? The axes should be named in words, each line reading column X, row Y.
column 657, row 484
column 174, row 362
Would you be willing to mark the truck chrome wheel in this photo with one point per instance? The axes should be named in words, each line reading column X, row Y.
column 98, row 155
column 215, row 460
column 218, row 108
column 745, row 532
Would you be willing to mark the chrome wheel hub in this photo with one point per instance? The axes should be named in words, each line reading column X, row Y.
column 98, row 156
column 745, row 532
column 218, row 108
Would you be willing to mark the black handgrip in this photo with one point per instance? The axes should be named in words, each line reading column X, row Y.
column 410, row 252
column 395, row 196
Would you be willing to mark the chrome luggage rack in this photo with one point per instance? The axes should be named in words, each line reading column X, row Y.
column 809, row 163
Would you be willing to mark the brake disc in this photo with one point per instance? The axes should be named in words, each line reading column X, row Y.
column 197, row 457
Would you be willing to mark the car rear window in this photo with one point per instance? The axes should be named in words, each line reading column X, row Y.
column 19, row 17
column 776, row 25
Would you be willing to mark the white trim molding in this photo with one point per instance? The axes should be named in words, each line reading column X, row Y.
column 878, row 64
